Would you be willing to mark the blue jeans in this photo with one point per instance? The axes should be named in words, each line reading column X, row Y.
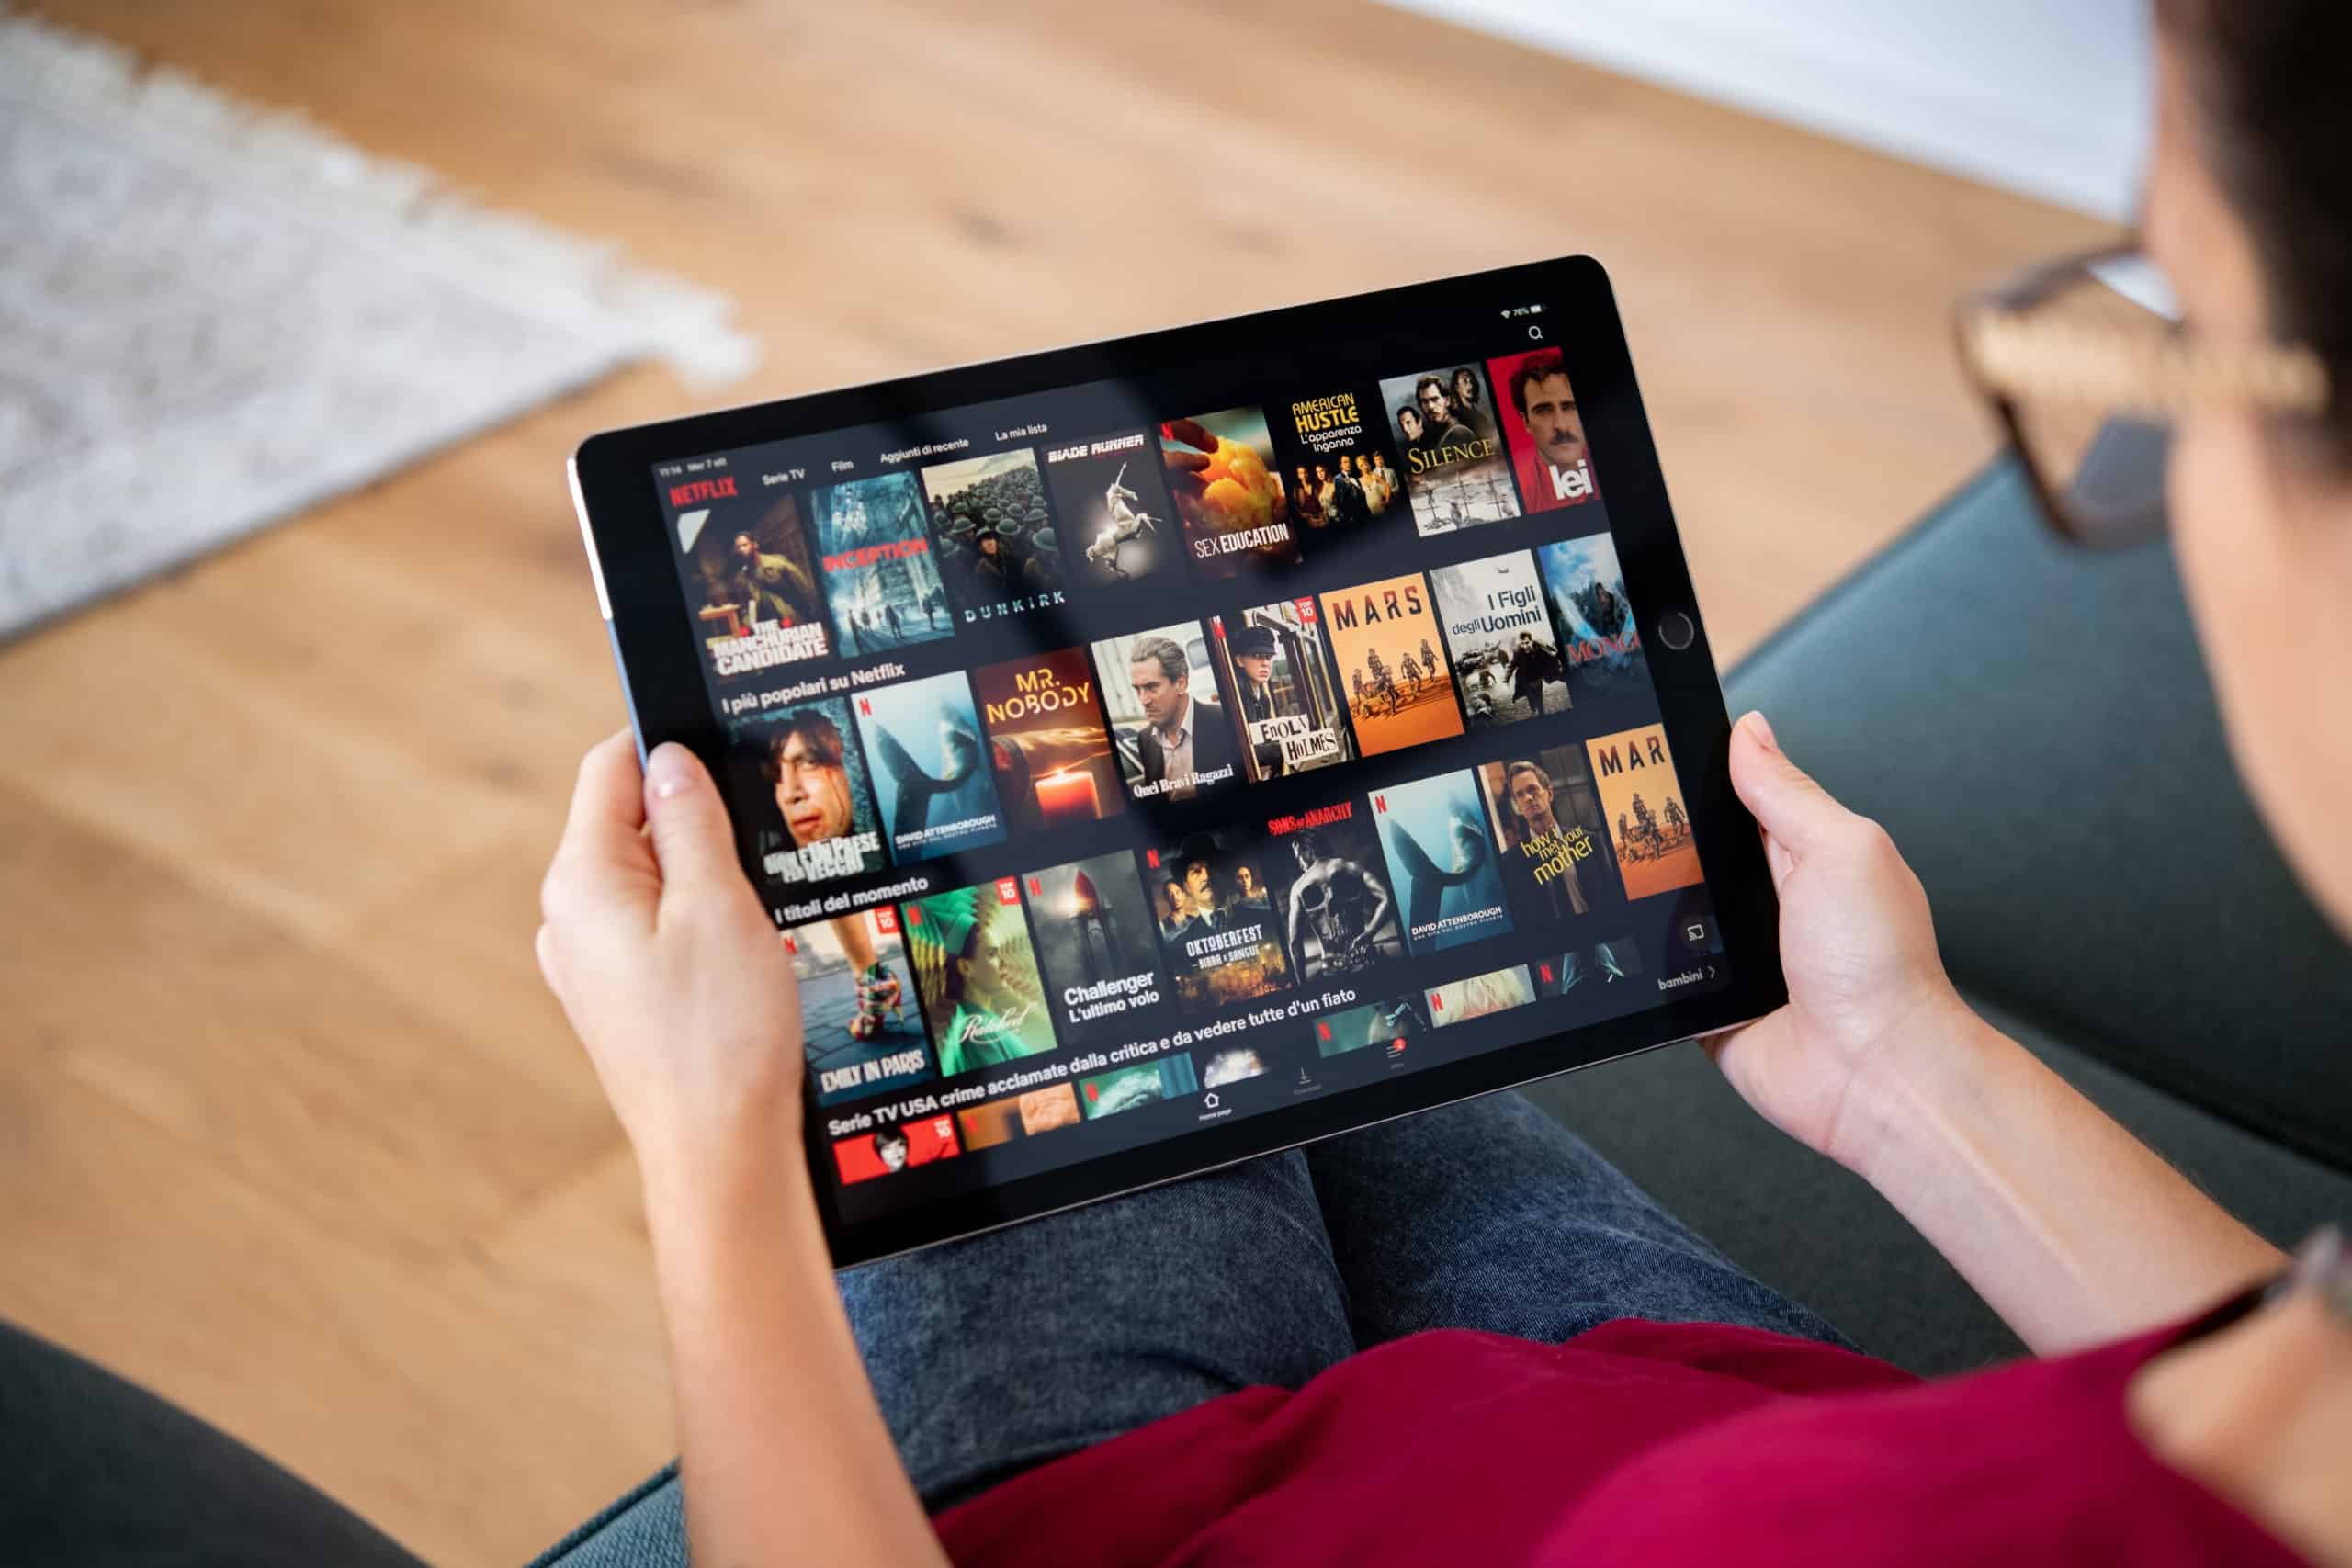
column 996, row 1354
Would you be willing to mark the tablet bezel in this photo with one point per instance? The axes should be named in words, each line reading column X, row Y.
column 659, row 661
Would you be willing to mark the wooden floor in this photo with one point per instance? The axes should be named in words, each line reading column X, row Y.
column 289, row 1132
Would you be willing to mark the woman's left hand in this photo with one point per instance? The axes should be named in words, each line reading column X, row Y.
column 667, row 966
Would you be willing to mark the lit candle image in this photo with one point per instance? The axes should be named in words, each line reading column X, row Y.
column 1069, row 796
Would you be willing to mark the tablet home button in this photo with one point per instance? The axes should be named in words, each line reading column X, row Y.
column 1675, row 630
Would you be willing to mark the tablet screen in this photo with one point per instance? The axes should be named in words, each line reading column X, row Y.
column 1126, row 759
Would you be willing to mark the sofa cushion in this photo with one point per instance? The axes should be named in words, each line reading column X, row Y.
column 96, row 1470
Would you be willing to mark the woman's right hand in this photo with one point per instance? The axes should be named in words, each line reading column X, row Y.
column 1868, row 995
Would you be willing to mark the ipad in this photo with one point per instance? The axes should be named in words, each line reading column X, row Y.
column 1163, row 751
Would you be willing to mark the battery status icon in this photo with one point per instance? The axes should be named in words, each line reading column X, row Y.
column 1536, row 310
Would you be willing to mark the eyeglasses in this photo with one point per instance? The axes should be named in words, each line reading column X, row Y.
column 2086, row 366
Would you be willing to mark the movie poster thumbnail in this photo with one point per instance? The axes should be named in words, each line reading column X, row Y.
column 802, row 797
column 1095, row 940
column 881, row 575
column 1455, row 474
column 1336, row 466
column 997, row 549
column 1168, row 720
column 1272, row 659
column 932, row 779
column 1507, row 659
column 894, row 1149
column 860, row 1024
column 1331, row 894
column 1221, row 477
column 1385, row 637
column 1586, row 975
column 1543, row 430
column 1022, row 1115
column 1480, row 996
column 1550, row 834
column 1117, row 524
column 1217, row 919
column 756, row 601
column 1145, row 1083
column 1392, row 1026
column 976, row 975
column 1442, row 861
column 1603, row 645
column 1046, row 742
column 1642, row 802
column 1231, row 1064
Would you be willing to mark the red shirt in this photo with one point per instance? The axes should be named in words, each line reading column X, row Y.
column 1641, row 1443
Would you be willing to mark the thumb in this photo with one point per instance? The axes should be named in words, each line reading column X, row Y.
column 692, row 837
column 1799, row 814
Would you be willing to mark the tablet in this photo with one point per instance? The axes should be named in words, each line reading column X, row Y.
column 1162, row 751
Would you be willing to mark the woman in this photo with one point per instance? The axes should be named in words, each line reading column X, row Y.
column 1711, row 1420
column 982, row 1014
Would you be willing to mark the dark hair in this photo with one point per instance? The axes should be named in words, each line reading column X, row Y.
column 888, row 1136
column 2272, row 81
column 821, row 735
column 1539, row 367
column 952, row 980
column 1426, row 382
column 1517, row 825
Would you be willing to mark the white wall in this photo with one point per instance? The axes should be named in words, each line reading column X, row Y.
column 2047, row 97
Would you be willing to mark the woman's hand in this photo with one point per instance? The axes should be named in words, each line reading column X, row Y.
column 2072, row 1230
column 668, row 967
column 1867, row 990
column 674, row 979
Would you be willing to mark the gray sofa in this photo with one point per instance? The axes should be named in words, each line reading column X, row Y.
column 2034, row 727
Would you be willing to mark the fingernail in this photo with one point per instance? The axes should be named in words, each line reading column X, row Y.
column 1761, row 727
column 666, row 769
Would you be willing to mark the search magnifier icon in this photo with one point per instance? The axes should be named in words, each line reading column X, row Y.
column 1536, row 333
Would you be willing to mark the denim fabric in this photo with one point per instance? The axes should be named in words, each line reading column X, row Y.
column 997, row 1353
column 1004, row 1351
column 1491, row 1215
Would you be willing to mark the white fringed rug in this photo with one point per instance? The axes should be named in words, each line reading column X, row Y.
column 213, row 316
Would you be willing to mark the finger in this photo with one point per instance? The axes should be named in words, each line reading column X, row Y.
column 1736, row 1050
column 692, row 838
column 601, row 836
column 1797, row 813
